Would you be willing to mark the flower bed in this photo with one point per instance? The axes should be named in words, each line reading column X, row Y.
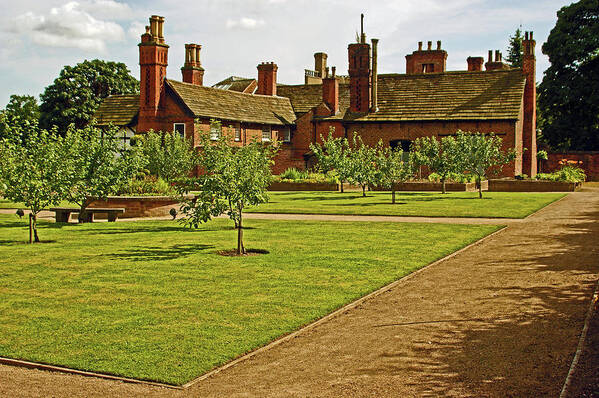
column 141, row 206
column 512, row 185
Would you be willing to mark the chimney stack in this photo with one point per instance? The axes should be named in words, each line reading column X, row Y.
column 374, row 84
column 475, row 64
column 192, row 70
column 529, row 126
column 426, row 61
column 496, row 64
column 330, row 91
column 267, row 78
column 320, row 63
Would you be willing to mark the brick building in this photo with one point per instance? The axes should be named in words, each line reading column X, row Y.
column 394, row 108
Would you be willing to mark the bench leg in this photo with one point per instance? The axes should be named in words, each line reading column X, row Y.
column 112, row 217
column 62, row 216
column 87, row 216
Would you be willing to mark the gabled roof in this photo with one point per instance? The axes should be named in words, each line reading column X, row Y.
column 235, row 83
column 119, row 110
column 436, row 96
column 230, row 105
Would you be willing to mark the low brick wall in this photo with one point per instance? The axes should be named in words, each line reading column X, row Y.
column 437, row 186
column 140, row 206
column 590, row 162
column 507, row 185
column 304, row 186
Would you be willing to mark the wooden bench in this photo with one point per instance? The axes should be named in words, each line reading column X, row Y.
column 64, row 213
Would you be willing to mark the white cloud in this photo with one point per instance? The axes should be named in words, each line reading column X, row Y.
column 108, row 9
column 136, row 29
column 244, row 23
column 67, row 26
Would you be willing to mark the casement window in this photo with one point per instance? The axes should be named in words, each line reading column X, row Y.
column 286, row 132
column 238, row 133
column 266, row 133
column 179, row 128
column 215, row 131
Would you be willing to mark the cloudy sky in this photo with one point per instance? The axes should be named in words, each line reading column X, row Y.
column 40, row 37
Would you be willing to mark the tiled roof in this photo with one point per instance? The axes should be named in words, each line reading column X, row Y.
column 235, row 83
column 305, row 97
column 231, row 105
column 436, row 96
column 120, row 110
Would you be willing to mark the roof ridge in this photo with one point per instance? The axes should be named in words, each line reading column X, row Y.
column 195, row 86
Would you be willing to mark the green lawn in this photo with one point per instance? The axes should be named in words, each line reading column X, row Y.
column 7, row 204
column 154, row 301
column 430, row 204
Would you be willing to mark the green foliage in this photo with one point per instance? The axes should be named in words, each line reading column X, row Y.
column 542, row 155
column 33, row 172
column 141, row 185
column 97, row 165
column 391, row 168
column 303, row 176
column 21, row 115
column 568, row 172
column 569, row 92
column 453, row 177
column 514, row 52
column 478, row 153
column 333, row 156
column 235, row 177
column 169, row 156
column 362, row 163
column 442, row 157
column 75, row 94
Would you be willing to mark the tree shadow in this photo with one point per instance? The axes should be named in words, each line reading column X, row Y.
column 159, row 253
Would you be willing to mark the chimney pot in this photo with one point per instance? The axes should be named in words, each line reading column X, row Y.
column 429, row 45
column 438, row 44
column 490, row 56
column 419, row 46
column 496, row 55
column 334, row 69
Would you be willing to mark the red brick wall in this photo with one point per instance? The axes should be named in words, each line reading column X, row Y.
column 590, row 163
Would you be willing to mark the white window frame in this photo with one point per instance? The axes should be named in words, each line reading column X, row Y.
column 215, row 133
column 286, row 134
column 175, row 129
column 238, row 133
column 266, row 134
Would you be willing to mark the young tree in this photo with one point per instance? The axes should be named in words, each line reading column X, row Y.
column 76, row 93
column 333, row 155
column 514, row 52
column 97, row 165
column 20, row 116
column 362, row 161
column 235, row 177
column 32, row 172
column 440, row 156
column 480, row 152
column 169, row 156
column 391, row 168
column 569, row 92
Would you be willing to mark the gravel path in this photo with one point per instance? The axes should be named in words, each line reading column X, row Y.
column 499, row 319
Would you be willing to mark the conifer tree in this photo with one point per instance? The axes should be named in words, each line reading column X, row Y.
column 514, row 52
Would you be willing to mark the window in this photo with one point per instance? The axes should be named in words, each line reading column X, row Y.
column 238, row 132
column 286, row 134
column 215, row 131
column 266, row 133
column 179, row 128
column 428, row 68
column 404, row 145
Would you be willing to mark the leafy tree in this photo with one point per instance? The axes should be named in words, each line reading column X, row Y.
column 169, row 156
column 362, row 160
column 440, row 156
column 333, row 155
column 479, row 153
column 22, row 111
column 514, row 52
column 76, row 93
column 391, row 168
column 97, row 165
column 569, row 92
column 32, row 172
column 235, row 177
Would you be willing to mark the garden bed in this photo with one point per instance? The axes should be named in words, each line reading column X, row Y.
column 303, row 186
column 510, row 185
column 437, row 186
column 141, row 206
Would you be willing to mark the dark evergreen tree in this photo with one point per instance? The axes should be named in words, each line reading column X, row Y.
column 569, row 92
column 514, row 52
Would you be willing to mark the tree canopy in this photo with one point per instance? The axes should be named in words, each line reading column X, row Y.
column 20, row 115
column 514, row 52
column 76, row 93
column 569, row 92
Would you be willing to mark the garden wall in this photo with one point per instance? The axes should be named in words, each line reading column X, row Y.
column 303, row 186
column 508, row 185
column 140, row 206
column 590, row 162
column 437, row 186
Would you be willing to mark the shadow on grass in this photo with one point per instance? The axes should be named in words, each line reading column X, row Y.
column 160, row 253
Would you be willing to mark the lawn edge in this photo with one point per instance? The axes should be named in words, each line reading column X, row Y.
column 250, row 354
column 566, row 194
column 284, row 338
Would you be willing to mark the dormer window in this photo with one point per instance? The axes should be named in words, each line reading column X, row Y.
column 428, row 68
column 266, row 133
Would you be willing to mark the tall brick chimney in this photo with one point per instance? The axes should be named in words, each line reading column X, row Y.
column 153, row 60
column 267, row 78
column 192, row 70
column 498, row 63
column 359, row 73
column 475, row 64
column 330, row 90
column 426, row 61
column 320, row 63
column 529, row 126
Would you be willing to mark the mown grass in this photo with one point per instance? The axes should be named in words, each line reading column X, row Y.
column 151, row 300
column 426, row 204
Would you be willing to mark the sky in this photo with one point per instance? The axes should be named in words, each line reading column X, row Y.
column 41, row 37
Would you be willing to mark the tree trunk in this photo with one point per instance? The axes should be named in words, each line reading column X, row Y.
column 83, row 217
column 30, row 228
column 363, row 191
column 480, row 187
column 393, row 195
column 240, row 248
column 341, row 186
column 36, row 239
column 443, row 185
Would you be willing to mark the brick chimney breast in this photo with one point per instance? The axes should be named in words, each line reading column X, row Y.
column 267, row 78
column 426, row 61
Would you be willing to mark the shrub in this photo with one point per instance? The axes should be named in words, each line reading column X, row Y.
column 569, row 172
column 147, row 185
column 300, row 176
column 453, row 177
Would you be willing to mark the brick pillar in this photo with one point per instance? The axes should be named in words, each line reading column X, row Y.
column 529, row 126
column 475, row 64
column 330, row 91
column 153, row 60
column 359, row 77
column 267, row 78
